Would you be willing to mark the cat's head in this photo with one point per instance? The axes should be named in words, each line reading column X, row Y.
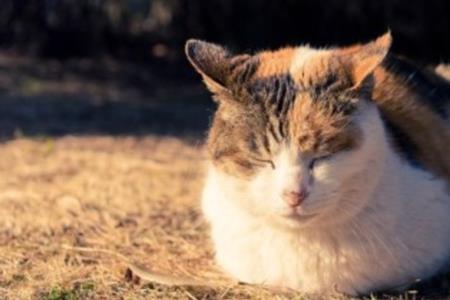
column 295, row 128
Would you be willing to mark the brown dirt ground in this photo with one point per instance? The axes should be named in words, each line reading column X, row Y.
column 135, row 192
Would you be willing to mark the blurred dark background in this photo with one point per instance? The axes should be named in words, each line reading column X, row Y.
column 102, row 53
column 150, row 30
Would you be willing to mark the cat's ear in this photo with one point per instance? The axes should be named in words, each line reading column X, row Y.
column 361, row 60
column 214, row 63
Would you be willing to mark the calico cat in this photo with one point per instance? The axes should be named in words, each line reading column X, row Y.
column 329, row 168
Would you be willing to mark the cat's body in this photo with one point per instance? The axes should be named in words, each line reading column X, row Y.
column 371, row 206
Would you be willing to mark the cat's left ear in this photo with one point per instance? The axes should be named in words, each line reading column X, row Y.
column 216, row 64
column 361, row 60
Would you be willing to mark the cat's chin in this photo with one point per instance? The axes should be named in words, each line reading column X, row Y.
column 295, row 220
column 299, row 217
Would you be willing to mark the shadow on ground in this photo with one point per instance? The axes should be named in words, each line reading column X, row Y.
column 57, row 115
column 80, row 97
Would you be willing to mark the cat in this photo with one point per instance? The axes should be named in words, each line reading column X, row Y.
column 329, row 169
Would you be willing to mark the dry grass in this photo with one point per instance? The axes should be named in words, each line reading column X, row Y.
column 138, row 196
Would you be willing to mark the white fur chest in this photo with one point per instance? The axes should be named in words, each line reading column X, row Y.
column 388, row 248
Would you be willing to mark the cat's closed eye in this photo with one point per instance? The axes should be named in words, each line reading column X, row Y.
column 318, row 159
column 266, row 161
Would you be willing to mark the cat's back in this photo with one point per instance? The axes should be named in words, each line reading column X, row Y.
column 415, row 105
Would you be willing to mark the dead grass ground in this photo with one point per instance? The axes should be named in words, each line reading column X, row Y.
column 135, row 194
column 138, row 197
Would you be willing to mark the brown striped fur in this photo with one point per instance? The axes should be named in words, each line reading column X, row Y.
column 320, row 132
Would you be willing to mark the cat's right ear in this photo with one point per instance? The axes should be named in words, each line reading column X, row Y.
column 213, row 62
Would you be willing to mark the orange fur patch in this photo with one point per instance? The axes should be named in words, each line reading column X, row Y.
column 273, row 63
column 315, row 70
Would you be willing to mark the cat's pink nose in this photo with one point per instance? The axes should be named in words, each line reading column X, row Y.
column 294, row 199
